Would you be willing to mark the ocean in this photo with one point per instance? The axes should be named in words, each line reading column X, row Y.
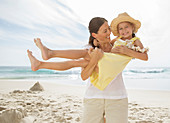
column 148, row 76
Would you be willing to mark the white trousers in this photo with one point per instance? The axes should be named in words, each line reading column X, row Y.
column 115, row 110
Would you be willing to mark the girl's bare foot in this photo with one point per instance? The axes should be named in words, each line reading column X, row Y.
column 44, row 50
column 34, row 62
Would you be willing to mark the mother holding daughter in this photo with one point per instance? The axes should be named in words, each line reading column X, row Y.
column 100, row 99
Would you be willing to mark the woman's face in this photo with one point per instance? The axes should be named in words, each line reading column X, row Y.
column 103, row 34
column 125, row 30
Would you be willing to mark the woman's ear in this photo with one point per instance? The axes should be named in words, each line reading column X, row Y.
column 94, row 35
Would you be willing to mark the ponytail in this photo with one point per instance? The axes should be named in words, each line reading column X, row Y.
column 91, row 42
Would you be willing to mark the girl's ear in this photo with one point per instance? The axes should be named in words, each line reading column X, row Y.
column 133, row 28
column 94, row 35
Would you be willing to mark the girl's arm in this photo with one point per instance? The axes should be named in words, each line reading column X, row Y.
column 95, row 56
column 129, row 52
column 126, row 51
column 138, row 43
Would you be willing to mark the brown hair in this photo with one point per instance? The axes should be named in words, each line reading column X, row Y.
column 94, row 26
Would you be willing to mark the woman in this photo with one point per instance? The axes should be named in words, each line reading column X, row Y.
column 112, row 101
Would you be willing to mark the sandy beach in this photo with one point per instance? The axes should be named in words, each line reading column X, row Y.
column 60, row 103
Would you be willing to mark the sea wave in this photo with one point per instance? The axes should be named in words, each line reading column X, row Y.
column 27, row 70
column 27, row 73
column 147, row 70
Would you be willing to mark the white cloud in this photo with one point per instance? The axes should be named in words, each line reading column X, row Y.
column 29, row 12
column 40, row 16
column 34, row 13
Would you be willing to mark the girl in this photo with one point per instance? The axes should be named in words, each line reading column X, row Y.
column 111, row 65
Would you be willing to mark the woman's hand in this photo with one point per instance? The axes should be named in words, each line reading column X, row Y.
column 95, row 54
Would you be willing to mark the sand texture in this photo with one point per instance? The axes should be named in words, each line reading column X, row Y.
column 63, row 104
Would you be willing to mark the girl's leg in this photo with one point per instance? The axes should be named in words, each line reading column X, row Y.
column 36, row 64
column 70, row 54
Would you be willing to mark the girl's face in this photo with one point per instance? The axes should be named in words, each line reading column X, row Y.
column 125, row 30
column 103, row 34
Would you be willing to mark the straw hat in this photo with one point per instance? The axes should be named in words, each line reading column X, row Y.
column 122, row 18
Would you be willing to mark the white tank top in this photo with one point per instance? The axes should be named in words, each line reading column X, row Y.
column 115, row 90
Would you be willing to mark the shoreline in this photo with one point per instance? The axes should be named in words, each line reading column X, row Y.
column 130, row 84
column 64, row 103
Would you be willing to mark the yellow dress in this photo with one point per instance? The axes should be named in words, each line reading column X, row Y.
column 110, row 66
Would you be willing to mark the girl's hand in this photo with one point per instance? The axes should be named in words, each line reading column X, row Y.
column 120, row 50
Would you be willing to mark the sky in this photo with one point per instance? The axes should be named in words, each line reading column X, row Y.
column 62, row 24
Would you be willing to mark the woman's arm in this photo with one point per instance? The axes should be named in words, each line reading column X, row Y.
column 87, row 71
column 126, row 51
column 95, row 56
